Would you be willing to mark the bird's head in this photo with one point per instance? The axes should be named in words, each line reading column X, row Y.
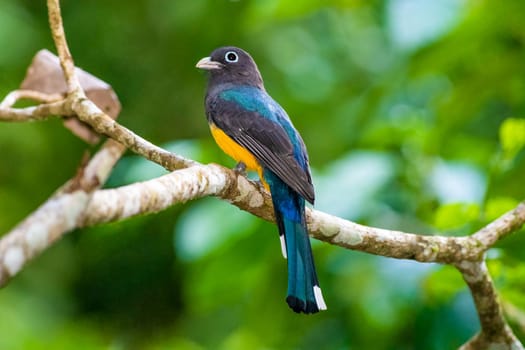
column 231, row 64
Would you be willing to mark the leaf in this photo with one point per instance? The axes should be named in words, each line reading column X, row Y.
column 496, row 207
column 45, row 75
column 512, row 136
column 442, row 285
column 455, row 215
column 509, row 277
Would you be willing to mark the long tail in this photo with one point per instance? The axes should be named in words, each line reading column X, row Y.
column 304, row 294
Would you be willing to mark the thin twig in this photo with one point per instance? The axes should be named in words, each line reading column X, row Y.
column 90, row 114
column 500, row 228
column 40, row 112
column 59, row 37
column 36, row 96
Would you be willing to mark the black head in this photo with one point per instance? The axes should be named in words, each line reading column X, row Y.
column 230, row 64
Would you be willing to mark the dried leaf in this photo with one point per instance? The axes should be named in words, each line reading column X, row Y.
column 45, row 75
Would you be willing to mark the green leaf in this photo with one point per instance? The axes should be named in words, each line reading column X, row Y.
column 512, row 136
column 509, row 279
column 442, row 285
column 454, row 215
column 498, row 206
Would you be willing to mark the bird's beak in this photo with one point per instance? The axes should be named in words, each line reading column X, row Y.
column 207, row 64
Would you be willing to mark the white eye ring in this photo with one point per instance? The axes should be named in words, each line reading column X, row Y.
column 231, row 57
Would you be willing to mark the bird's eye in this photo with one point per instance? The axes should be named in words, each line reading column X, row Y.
column 231, row 57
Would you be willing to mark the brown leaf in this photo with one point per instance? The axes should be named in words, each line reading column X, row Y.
column 45, row 75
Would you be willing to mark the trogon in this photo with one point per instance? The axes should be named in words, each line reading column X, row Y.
column 249, row 126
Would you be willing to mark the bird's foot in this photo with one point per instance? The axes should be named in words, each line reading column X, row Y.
column 240, row 168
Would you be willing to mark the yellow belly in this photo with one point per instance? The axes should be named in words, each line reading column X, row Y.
column 237, row 152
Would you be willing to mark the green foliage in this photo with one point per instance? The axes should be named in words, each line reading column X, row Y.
column 454, row 215
column 497, row 206
column 412, row 114
column 512, row 135
column 443, row 285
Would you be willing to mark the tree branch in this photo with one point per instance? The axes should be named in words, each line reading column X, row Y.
column 401, row 245
column 90, row 114
column 500, row 228
column 59, row 37
column 156, row 195
column 40, row 112
column 183, row 185
column 37, row 96
column 58, row 215
column 180, row 186
column 495, row 332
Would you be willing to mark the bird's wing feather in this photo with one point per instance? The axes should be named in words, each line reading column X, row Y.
column 268, row 141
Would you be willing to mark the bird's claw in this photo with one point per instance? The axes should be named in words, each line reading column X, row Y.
column 240, row 168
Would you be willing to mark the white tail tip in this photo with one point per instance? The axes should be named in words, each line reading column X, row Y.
column 319, row 298
column 283, row 246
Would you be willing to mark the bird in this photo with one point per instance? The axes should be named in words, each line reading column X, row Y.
column 253, row 129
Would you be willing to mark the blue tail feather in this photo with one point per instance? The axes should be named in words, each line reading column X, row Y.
column 304, row 294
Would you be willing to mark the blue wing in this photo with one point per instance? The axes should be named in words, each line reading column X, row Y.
column 255, row 121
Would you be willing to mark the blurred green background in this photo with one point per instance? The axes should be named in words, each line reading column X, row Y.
column 413, row 114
